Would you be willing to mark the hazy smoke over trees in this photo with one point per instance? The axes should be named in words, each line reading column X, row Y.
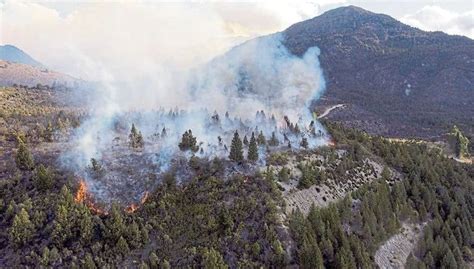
column 256, row 87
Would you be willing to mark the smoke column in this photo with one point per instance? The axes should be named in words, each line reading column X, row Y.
column 259, row 75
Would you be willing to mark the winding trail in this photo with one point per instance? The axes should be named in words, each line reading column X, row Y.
column 328, row 110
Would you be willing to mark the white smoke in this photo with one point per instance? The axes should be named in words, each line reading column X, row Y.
column 259, row 75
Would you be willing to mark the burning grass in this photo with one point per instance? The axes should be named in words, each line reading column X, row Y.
column 85, row 197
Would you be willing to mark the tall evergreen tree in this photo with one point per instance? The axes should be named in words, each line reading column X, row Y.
column 236, row 152
column 22, row 229
column 24, row 159
column 273, row 140
column 252, row 154
column 246, row 141
column 188, row 142
column 43, row 178
column 135, row 137
column 261, row 139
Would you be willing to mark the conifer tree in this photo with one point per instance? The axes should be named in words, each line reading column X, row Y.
column 246, row 141
column 211, row 258
column 163, row 133
column 236, row 152
column 252, row 154
column 261, row 139
column 153, row 260
column 115, row 224
column 304, row 143
column 296, row 129
column 449, row 262
column 122, row 246
column 24, row 159
column 43, row 177
column 165, row 264
column 21, row 229
column 88, row 262
column 188, row 142
column 135, row 137
column 273, row 140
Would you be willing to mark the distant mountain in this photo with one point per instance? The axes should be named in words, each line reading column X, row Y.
column 13, row 54
column 395, row 79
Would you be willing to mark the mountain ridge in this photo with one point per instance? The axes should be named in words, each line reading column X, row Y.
column 396, row 80
column 12, row 53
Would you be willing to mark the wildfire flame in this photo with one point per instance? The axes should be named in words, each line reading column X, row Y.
column 81, row 192
column 82, row 196
column 133, row 207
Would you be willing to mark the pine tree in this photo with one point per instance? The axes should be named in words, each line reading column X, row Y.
column 153, row 261
column 236, row 152
column 449, row 261
column 309, row 253
column 165, row 264
column 86, row 225
column 296, row 129
column 95, row 169
column 304, row 143
column 43, row 178
column 213, row 259
column 284, row 174
column 134, row 235
column 246, row 141
column 252, row 154
column 45, row 256
column 24, row 159
column 163, row 133
column 459, row 142
column 88, row 262
column 122, row 246
column 115, row 224
column 22, row 229
column 188, row 142
column 273, row 140
column 135, row 138
column 261, row 139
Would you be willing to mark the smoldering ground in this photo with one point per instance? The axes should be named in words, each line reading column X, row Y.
column 257, row 87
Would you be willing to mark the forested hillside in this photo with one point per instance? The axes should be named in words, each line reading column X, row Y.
column 395, row 80
column 231, row 213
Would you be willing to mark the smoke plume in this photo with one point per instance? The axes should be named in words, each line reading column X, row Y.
column 258, row 87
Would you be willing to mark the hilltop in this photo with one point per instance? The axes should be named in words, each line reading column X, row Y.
column 395, row 80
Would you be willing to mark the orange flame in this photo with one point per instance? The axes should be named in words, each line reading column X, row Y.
column 133, row 207
column 81, row 192
column 83, row 197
